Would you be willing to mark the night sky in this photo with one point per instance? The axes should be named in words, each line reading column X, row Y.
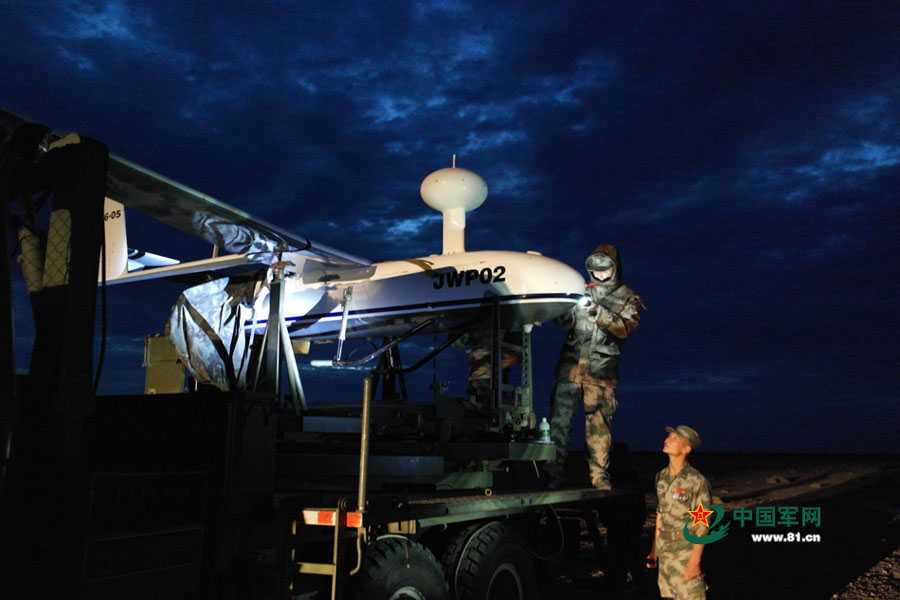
column 745, row 160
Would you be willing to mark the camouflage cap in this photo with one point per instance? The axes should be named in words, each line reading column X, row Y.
column 598, row 262
column 687, row 433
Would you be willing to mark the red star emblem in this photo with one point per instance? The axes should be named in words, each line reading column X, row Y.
column 700, row 515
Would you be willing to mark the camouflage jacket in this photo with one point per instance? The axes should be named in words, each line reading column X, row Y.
column 597, row 334
column 677, row 494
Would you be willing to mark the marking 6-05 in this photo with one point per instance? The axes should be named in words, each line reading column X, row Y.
column 468, row 277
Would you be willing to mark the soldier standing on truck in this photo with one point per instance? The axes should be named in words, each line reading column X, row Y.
column 679, row 488
column 588, row 366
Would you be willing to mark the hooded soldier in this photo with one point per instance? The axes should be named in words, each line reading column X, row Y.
column 588, row 366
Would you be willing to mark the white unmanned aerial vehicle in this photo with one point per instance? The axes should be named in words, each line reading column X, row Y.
column 314, row 292
column 308, row 291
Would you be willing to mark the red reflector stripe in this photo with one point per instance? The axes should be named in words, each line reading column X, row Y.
column 326, row 517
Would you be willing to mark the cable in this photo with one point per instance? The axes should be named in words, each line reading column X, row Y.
column 562, row 539
column 101, row 355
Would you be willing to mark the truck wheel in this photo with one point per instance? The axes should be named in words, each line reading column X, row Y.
column 453, row 552
column 496, row 565
column 401, row 569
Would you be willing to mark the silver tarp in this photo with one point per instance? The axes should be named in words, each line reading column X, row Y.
column 208, row 329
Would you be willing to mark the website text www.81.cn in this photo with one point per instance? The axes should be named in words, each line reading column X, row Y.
column 786, row 537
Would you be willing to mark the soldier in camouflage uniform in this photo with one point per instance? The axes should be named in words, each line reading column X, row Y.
column 478, row 355
column 679, row 488
column 588, row 366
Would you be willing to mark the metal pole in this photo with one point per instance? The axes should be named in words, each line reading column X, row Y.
column 526, row 408
column 290, row 361
column 348, row 296
column 262, row 355
column 364, row 443
column 273, row 331
column 496, row 360
column 363, row 470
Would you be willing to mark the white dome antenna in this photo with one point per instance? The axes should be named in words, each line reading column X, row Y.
column 454, row 192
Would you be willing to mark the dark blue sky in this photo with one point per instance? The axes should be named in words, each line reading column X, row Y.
column 745, row 160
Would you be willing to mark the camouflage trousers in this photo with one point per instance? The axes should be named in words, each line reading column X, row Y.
column 599, row 406
column 673, row 558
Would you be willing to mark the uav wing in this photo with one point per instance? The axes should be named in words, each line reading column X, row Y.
column 229, row 228
column 184, row 208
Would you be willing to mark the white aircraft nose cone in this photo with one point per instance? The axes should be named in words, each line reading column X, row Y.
column 570, row 280
column 548, row 275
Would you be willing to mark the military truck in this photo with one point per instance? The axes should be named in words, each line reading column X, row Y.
column 191, row 492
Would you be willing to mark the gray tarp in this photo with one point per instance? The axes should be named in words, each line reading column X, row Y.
column 207, row 328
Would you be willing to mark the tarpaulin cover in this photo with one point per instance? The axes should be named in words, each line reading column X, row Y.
column 207, row 328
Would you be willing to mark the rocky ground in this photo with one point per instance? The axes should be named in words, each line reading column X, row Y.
column 857, row 556
column 882, row 581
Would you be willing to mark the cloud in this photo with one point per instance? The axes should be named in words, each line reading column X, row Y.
column 94, row 35
column 454, row 8
column 867, row 156
column 82, row 62
column 110, row 20
column 478, row 142
column 733, row 155
column 390, row 109
column 414, row 226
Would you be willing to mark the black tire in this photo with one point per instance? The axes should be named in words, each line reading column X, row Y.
column 401, row 569
column 496, row 564
column 453, row 552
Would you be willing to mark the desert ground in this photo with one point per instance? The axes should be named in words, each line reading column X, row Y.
column 856, row 557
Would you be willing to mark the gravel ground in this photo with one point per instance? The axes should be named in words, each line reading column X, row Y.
column 881, row 582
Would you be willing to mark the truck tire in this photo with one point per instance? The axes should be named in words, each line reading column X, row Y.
column 401, row 569
column 453, row 552
column 496, row 565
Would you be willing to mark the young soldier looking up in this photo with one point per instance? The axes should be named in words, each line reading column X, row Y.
column 679, row 488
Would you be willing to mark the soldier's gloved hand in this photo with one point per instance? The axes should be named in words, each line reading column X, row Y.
column 604, row 316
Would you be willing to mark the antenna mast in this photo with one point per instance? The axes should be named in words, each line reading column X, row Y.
column 454, row 192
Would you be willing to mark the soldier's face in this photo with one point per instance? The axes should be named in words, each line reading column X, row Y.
column 676, row 445
column 603, row 275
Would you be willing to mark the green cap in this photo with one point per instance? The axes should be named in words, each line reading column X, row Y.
column 687, row 433
column 598, row 262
